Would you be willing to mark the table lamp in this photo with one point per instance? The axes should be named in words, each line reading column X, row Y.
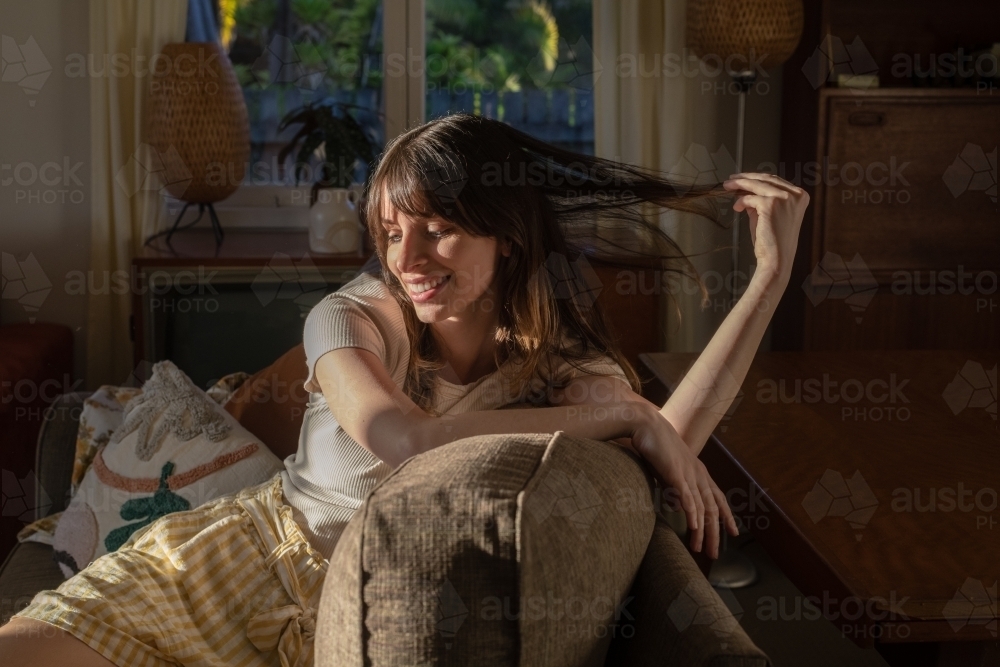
column 199, row 128
column 745, row 36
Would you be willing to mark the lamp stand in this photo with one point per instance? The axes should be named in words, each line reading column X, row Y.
column 744, row 80
column 733, row 569
column 213, row 217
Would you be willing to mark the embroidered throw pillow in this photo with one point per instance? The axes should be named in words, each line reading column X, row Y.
column 102, row 413
column 175, row 449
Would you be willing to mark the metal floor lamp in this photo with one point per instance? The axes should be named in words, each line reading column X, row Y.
column 759, row 34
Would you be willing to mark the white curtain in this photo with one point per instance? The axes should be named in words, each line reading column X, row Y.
column 652, row 116
column 125, row 206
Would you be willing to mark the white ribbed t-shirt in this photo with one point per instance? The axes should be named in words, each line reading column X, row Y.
column 327, row 479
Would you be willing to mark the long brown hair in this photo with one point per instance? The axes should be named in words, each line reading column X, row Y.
column 555, row 208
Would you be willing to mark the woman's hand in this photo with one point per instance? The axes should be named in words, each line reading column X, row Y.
column 776, row 208
column 655, row 439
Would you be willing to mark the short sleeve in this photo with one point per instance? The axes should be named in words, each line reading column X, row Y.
column 562, row 370
column 566, row 371
column 362, row 314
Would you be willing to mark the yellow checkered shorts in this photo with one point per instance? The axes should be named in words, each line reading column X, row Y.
column 232, row 582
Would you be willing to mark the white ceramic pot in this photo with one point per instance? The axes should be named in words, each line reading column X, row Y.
column 334, row 223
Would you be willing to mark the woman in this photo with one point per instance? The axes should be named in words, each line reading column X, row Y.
column 480, row 305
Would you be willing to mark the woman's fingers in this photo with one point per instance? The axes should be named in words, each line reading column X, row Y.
column 726, row 512
column 698, row 536
column 756, row 187
column 688, row 504
column 711, row 520
column 770, row 178
column 749, row 202
column 693, row 513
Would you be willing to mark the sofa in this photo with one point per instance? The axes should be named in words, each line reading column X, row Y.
column 675, row 617
column 36, row 366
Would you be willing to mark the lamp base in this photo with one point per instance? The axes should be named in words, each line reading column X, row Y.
column 733, row 569
column 213, row 218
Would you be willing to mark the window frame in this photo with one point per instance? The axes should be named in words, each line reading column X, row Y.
column 286, row 207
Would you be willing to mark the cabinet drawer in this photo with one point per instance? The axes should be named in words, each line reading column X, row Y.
column 905, row 180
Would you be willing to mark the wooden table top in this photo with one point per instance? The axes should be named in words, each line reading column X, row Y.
column 240, row 247
column 880, row 485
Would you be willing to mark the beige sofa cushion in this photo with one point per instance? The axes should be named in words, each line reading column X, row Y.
column 494, row 550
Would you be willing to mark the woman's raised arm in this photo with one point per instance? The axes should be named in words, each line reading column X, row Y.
column 775, row 208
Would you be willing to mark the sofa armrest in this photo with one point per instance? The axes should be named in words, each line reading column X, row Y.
column 55, row 452
column 676, row 617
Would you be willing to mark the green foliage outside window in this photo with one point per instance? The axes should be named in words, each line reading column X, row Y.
column 483, row 45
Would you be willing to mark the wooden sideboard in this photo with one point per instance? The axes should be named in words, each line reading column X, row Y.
column 900, row 248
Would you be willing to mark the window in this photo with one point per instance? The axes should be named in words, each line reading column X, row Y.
column 287, row 53
column 525, row 62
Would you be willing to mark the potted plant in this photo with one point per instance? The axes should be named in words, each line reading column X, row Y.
column 330, row 139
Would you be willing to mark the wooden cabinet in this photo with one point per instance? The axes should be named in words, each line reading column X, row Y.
column 900, row 247
column 235, row 310
column 889, row 191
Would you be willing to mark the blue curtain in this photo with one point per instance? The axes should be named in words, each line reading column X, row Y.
column 202, row 24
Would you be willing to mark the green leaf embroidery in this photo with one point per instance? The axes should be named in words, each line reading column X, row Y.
column 162, row 502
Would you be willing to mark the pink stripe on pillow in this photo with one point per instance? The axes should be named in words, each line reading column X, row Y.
column 150, row 484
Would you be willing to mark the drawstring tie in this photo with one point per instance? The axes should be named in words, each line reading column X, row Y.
column 291, row 628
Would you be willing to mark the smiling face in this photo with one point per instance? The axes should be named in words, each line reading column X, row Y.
column 445, row 271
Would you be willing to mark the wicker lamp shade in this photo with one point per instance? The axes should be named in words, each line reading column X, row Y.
column 198, row 122
column 758, row 30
